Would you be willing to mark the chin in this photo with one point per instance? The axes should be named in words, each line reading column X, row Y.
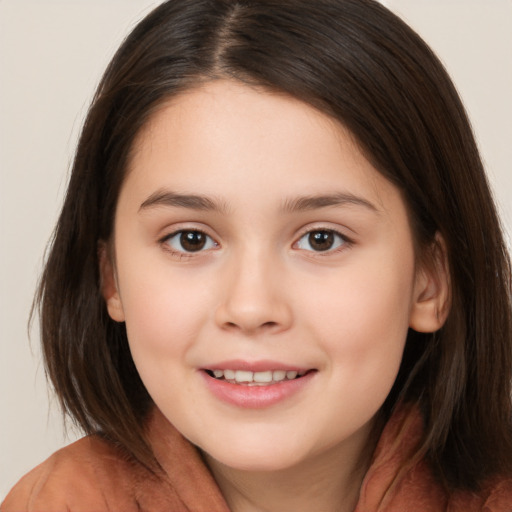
column 257, row 459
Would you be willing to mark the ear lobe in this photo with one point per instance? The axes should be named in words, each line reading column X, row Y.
column 431, row 300
column 108, row 284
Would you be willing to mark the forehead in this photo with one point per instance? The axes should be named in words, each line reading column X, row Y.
column 228, row 138
column 227, row 111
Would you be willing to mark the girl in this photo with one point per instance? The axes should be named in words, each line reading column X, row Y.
column 278, row 280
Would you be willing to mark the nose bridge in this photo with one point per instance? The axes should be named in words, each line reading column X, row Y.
column 254, row 298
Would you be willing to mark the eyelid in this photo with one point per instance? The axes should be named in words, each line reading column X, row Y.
column 183, row 253
column 172, row 229
column 347, row 241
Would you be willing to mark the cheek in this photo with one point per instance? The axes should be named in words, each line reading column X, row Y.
column 165, row 314
column 363, row 320
column 164, row 311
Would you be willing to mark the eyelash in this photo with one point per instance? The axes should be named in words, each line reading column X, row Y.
column 184, row 253
column 343, row 242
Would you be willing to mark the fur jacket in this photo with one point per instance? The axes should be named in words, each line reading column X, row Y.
column 94, row 475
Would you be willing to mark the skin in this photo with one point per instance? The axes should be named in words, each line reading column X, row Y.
column 259, row 290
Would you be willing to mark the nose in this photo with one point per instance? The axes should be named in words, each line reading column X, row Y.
column 254, row 298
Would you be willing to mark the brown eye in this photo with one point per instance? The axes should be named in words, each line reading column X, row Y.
column 321, row 240
column 190, row 241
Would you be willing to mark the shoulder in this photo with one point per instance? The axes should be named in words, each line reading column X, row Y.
column 90, row 474
column 500, row 497
column 88, row 471
column 495, row 496
column 398, row 479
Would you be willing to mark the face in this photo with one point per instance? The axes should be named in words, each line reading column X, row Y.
column 266, row 274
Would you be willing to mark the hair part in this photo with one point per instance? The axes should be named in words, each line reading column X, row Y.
column 361, row 65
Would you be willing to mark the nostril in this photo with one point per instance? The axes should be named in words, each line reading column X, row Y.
column 264, row 326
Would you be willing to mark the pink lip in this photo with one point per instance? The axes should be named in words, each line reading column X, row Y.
column 255, row 397
column 255, row 366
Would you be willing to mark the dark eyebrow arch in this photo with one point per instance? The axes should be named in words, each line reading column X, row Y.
column 175, row 199
column 324, row 201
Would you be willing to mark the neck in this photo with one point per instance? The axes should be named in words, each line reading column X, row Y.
column 329, row 481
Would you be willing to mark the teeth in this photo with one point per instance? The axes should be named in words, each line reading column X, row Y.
column 256, row 378
column 279, row 375
column 243, row 376
column 229, row 374
column 262, row 376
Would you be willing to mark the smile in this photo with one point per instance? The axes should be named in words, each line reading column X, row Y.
column 261, row 378
column 256, row 388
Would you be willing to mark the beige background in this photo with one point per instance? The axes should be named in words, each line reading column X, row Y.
column 52, row 53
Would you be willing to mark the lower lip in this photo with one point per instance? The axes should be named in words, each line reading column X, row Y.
column 256, row 397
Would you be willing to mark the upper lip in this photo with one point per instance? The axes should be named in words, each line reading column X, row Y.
column 255, row 366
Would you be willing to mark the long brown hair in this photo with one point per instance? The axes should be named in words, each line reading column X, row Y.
column 360, row 64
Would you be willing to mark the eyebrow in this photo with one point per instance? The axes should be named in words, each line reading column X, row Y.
column 205, row 203
column 175, row 199
column 315, row 202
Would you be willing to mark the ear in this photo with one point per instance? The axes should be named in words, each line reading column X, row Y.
column 431, row 300
column 108, row 284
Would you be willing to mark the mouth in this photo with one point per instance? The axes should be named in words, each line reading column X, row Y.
column 256, row 384
column 260, row 378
